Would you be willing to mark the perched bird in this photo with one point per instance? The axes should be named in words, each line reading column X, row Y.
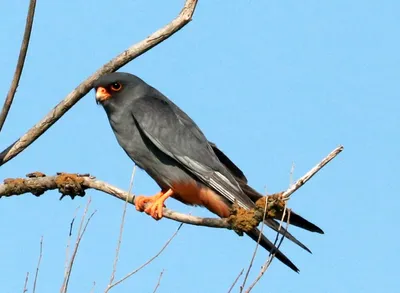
column 165, row 142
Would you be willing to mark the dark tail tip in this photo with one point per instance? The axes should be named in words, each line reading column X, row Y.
column 299, row 221
column 269, row 246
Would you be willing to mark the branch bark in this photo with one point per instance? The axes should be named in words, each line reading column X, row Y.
column 20, row 63
column 184, row 17
column 75, row 184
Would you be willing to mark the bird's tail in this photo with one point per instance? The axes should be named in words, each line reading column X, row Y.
column 268, row 245
column 295, row 219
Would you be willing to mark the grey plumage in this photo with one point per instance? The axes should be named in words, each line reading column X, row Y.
column 161, row 139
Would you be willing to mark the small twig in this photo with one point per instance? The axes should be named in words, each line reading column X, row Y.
column 291, row 174
column 121, row 230
column 94, row 286
column 256, row 248
column 20, row 63
column 38, row 265
column 69, row 240
column 271, row 255
column 81, row 232
column 311, row 173
column 236, row 280
column 26, row 283
column 184, row 17
column 150, row 260
column 159, row 281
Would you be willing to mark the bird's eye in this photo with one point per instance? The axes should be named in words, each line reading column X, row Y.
column 116, row 86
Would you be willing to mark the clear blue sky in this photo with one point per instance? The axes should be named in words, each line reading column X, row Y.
column 270, row 82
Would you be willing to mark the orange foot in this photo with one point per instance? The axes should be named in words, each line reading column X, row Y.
column 152, row 205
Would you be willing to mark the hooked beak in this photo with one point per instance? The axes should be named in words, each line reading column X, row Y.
column 102, row 94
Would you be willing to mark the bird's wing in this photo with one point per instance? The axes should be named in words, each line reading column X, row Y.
column 180, row 138
column 231, row 166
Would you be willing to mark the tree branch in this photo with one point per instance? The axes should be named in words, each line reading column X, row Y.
column 75, row 184
column 20, row 63
column 81, row 90
column 299, row 183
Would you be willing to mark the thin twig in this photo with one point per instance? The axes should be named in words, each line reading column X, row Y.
column 271, row 255
column 291, row 174
column 69, row 240
column 159, row 281
column 299, row 183
column 236, row 280
column 26, row 283
column 20, row 63
column 81, row 232
column 93, row 287
column 121, row 230
column 38, row 265
column 256, row 248
column 184, row 17
column 150, row 260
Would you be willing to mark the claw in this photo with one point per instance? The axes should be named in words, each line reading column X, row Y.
column 152, row 205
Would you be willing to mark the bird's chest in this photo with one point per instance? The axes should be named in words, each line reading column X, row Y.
column 133, row 141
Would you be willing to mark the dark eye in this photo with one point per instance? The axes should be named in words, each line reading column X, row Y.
column 116, row 86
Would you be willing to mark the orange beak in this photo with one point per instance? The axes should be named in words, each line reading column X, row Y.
column 102, row 94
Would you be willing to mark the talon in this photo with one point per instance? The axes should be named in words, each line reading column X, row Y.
column 141, row 201
column 152, row 205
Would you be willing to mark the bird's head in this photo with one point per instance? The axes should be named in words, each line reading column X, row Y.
column 117, row 88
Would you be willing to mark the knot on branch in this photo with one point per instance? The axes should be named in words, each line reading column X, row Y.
column 36, row 174
column 16, row 186
column 70, row 184
column 243, row 220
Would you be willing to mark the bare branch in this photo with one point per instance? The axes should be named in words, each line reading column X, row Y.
column 81, row 232
column 149, row 261
column 159, row 281
column 236, row 280
column 81, row 90
column 121, row 230
column 38, row 265
column 20, row 63
column 72, row 184
column 26, row 283
column 299, row 183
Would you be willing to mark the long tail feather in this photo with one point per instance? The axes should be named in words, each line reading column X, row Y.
column 268, row 245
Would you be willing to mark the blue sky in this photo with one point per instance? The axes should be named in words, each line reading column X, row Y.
column 270, row 82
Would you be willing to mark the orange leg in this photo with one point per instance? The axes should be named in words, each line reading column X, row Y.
column 155, row 204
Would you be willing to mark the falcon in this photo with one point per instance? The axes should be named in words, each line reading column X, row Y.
column 167, row 144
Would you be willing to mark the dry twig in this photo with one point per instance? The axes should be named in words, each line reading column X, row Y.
column 236, row 280
column 271, row 255
column 38, row 265
column 26, row 283
column 158, row 282
column 93, row 287
column 81, row 232
column 20, row 63
column 121, row 230
column 150, row 260
column 299, row 183
column 71, row 226
column 184, row 17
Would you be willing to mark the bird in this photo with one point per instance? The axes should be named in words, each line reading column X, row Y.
column 168, row 145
